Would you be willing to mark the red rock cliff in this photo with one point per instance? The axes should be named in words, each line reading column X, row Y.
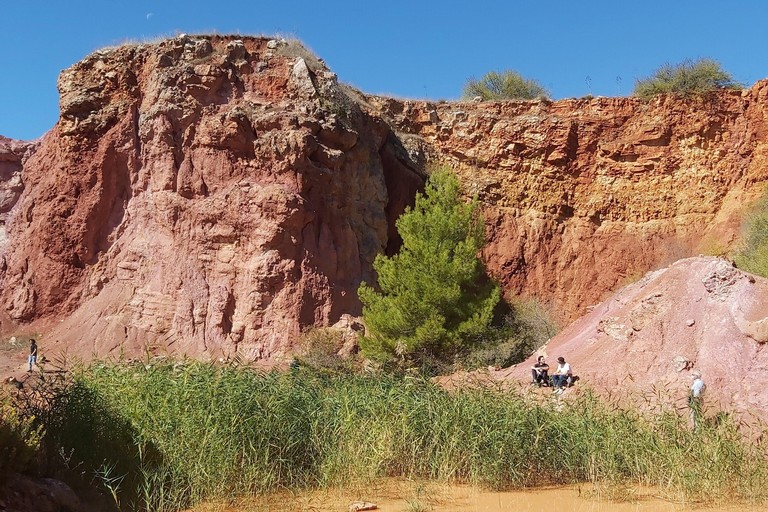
column 215, row 195
column 209, row 195
column 583, row 196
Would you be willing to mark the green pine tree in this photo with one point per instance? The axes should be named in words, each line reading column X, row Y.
column 434, row 298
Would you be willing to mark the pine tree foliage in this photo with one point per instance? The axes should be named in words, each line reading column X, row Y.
column 434, row 298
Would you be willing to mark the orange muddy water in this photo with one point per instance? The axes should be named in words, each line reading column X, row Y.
column 406, row 496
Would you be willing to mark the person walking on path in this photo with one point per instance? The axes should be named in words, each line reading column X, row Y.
column 32, row 354
column 695, row 399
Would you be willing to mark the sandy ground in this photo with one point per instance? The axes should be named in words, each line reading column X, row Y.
column 408, row 496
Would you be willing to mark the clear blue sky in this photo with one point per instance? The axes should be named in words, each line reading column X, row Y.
column 412, row 49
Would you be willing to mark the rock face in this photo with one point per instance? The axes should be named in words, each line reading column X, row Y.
column 12, row 156
column 20, row 493
column 202, row 196
column 583, row 196
column 215, row 195
column 643, row 342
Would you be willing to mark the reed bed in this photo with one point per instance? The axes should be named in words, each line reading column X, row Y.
column 164, row 436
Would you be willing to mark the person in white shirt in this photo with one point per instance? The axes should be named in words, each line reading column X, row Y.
column 560, row 377
column 696, row 397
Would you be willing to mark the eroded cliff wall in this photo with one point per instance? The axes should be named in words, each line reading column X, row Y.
column 204, row 196
column 583, row 196
column 215, row 195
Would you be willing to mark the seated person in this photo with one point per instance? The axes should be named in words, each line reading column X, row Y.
column 560, row 377
column 540, row 372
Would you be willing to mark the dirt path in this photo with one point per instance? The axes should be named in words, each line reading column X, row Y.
column 13, row 357
column 409, row 496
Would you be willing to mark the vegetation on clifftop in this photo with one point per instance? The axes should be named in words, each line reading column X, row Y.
column 504, row 85
column 686, row 79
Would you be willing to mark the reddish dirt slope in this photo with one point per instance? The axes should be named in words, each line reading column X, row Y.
column 699, row 313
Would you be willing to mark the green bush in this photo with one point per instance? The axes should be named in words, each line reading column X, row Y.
column 85, row 441
column 19, row 439
column 686, row 79
column 753, row 255
column 506, row 85
column 434, row 297
column 525, row 327
column 222, row 432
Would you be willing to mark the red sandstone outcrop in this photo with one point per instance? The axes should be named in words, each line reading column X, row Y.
column 201, row 196
column 584, row 195
column 13, row 153
column 215, row 195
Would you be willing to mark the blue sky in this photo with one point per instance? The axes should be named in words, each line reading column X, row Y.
column 411, row 49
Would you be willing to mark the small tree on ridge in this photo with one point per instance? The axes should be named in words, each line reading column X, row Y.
column 687, row 78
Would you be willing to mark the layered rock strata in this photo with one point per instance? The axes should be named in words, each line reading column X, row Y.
column 201, row 196
column 585, row 195
column 216, row 195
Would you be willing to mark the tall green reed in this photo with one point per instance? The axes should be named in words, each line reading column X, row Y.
column 190, row 431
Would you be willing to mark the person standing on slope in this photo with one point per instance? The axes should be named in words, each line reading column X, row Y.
column 32, row 359
column 695, row 398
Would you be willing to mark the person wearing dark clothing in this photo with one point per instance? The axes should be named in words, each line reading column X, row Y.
column 540, row 372
column 32, row 354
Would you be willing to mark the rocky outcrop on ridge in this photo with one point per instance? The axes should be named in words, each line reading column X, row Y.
column 215, row 195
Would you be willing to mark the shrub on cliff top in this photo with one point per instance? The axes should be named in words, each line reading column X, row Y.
column 686, row 79
column 506, row 85
column 434, row 298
